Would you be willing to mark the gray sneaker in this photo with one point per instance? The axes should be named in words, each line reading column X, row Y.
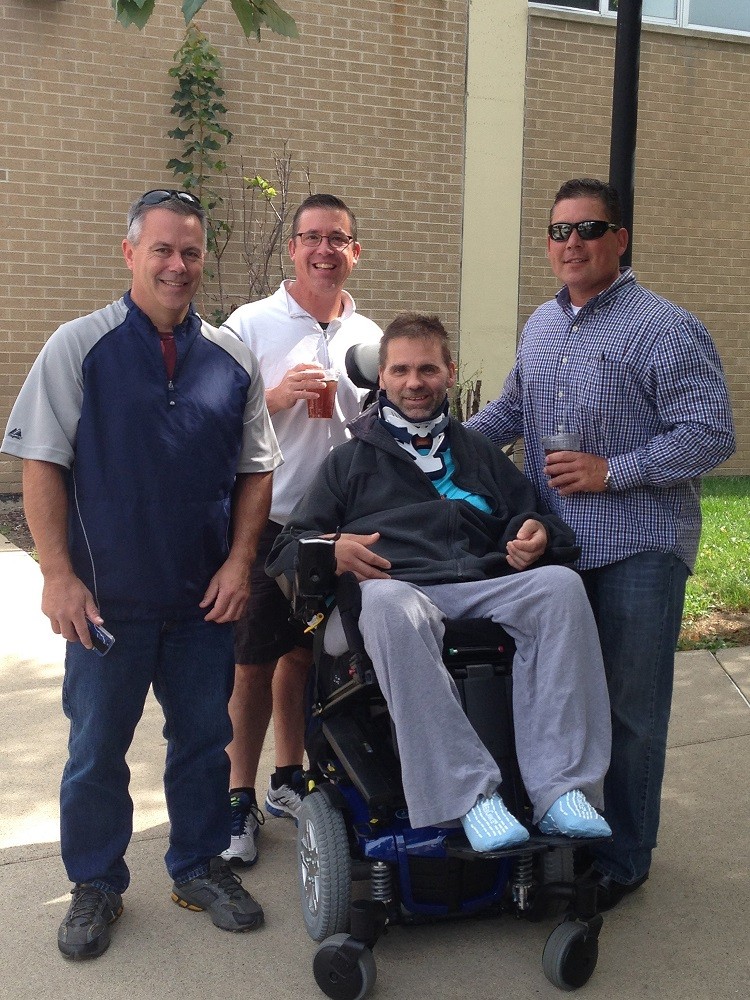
column 84, row 933
column 286, row 800
column 219, row 892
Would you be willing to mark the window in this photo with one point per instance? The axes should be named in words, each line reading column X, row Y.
column 722, row 15
column 734, row 15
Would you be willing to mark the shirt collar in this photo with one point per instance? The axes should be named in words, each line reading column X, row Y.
column 625, row 277
column 295, row 309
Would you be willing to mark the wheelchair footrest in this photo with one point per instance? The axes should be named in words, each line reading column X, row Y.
column 458, row 846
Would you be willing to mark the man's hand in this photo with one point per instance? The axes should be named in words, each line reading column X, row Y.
column 228, row 591
column 229, row 588
column 528, row 545
column 304, row 381
column 67, row 602
column 353, row 555
column 575, row 472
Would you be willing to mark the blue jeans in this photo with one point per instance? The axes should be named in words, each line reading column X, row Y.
column 191, row 666
column 637, row 604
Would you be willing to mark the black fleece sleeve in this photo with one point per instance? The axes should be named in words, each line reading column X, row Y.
column 319, row 512
column 561, row 539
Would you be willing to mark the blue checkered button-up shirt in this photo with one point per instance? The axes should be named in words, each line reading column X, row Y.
column 641, row 381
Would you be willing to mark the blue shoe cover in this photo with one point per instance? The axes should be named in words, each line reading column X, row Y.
column 489, row 826
column 572, row 815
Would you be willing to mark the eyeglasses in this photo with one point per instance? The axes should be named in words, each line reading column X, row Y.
column 336, row 241
column 158, row 196
column 590, row 230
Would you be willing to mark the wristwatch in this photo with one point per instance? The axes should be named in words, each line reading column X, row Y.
column 607, row 481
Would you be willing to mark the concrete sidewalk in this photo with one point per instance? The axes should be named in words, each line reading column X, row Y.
column 684, row 936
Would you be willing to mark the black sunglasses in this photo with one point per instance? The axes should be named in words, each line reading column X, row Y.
column 590, row 230
column 159, row 195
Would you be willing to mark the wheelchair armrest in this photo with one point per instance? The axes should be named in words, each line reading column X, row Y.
column 315, row 582
column 314, row 577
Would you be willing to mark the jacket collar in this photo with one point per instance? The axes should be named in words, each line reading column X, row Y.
column 189, row 326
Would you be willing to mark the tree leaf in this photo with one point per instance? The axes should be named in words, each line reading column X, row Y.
column 135, row 12
column 179, row 166
column 277, row 19
column 246, row 15
column 190, row 8
column 253, row 13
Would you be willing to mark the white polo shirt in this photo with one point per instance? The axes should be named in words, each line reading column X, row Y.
column 282, row 334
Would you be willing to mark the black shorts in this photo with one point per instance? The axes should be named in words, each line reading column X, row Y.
column 264, row 633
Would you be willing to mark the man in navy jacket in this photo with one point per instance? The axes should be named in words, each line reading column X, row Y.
column 148, row 458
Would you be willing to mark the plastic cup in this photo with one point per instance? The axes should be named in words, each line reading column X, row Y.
column 323, row 404
column 561, row 442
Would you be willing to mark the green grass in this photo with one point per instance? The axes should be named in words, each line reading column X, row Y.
column 721, row 582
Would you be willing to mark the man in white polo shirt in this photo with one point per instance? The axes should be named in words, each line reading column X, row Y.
column 304, row 329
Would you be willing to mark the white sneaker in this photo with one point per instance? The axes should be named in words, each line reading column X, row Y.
column 285, row 800
column 247, row 820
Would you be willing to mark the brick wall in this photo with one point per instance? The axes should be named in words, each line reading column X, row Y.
column 370, row 99
column 692, row 213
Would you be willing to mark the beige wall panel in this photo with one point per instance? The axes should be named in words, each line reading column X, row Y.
column 492, row 205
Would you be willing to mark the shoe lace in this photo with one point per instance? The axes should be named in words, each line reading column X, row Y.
column 240, row 816
column 86, row 901
column 225, row 880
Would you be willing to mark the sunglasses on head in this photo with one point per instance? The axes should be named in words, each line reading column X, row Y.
column 560, row 232
column 159, row 195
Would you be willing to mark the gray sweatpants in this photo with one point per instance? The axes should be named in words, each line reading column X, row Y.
column 560, row 702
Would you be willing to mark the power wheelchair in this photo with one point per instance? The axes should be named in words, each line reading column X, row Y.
column 354, row 826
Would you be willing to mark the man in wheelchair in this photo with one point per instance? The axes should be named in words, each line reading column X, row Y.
column 436, row 522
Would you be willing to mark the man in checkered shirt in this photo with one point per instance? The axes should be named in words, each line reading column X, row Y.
column 640, row 381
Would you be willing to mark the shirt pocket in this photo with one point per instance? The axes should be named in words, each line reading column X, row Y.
column 610, row 400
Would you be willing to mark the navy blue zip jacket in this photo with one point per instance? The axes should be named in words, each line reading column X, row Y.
column 151, row 461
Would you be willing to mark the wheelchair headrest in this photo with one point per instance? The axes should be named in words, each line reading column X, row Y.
column 361, row 364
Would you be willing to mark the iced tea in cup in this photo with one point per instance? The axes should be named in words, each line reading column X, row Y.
column 322, row 405
column 562, row 442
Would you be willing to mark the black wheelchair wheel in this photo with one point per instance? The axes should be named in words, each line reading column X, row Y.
column 570, row 955
column 324, row 867
column 341, row 979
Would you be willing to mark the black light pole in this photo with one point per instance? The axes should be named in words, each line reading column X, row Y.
column 625, row 111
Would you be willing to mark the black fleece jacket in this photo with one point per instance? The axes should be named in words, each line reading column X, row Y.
column 371, row 484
